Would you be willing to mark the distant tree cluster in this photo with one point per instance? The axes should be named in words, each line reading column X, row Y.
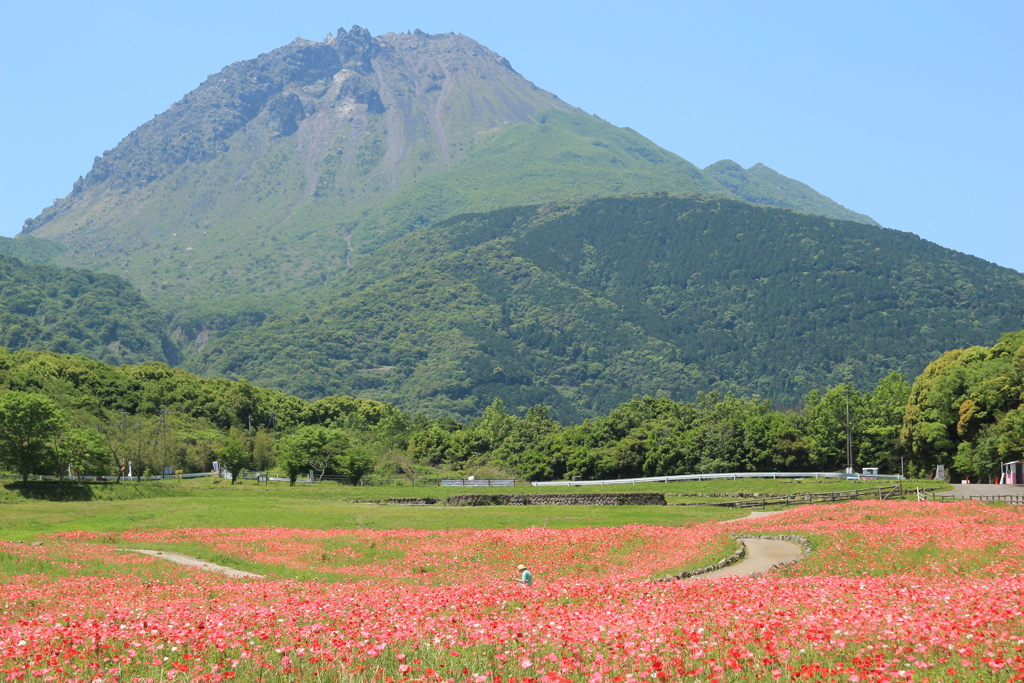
column 70, row 416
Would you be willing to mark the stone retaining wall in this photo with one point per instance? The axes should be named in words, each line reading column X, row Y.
column 557, row 499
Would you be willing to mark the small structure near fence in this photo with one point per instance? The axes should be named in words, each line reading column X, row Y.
column 1012, row 473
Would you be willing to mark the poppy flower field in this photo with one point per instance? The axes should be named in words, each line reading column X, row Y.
column 893, row 591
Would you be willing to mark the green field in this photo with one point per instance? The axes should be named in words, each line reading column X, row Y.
column 172, row 505
column 51, row 507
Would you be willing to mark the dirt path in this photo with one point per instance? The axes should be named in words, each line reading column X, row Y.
column 761, row 513
column 762, row 555
column 196, row 562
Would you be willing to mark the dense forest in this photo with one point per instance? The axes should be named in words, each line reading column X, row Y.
column 581, row 306
column 68, row 415
column 74, row 311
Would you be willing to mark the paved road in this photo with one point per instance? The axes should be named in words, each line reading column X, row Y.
column 762, row 555
column 196, row 562
column 968, row 490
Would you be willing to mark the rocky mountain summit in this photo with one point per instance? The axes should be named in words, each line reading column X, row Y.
column 274, row 175
column 343, row 81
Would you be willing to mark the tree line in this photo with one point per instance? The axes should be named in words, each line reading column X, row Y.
column 62, row 415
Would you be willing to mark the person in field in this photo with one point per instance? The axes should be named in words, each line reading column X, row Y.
column 525, row 577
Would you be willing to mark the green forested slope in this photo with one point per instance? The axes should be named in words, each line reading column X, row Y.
column 76, row 311
column 30, row 249
column 580, row 306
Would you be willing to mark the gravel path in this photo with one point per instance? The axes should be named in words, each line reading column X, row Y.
column 189, row 561
column 762, row 555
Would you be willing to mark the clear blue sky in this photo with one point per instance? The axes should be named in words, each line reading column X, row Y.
column 910, row 112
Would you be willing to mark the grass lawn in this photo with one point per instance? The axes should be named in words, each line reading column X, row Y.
column 49, row 507
column 203, row 488
column 310, row 508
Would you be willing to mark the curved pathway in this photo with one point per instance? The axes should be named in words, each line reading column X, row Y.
column 762, row 555
column 190, row 561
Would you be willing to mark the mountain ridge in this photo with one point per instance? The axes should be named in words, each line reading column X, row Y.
column 760, row 184
column 581, row 305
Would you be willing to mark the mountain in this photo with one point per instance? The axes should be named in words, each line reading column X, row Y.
column 275, row 174
column 293, row 218
column 761, row 185
column 582, row 305
column 75, row 311
column 258, row 190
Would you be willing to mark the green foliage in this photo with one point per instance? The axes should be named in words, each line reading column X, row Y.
column 966, row 410
column 75, row 311
column 582, row 306
column 115, row 413
column 82, row 451
column 316, row 448
column 263, row 450
column 233, row 457
column 28, row 425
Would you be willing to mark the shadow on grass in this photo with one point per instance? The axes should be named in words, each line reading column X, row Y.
column 57, row 491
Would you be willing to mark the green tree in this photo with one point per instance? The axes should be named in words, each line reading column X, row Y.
column 263, row 450
column 28, row 425
column 963, row 409
column 83, row 451
column 827, row 425
column 311, row 447
column 233, row 457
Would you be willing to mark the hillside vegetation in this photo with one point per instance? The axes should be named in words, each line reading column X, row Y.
column 762, row 185
column 581, row 306
column 75, row 311
column 63, row 414
column 31, row 250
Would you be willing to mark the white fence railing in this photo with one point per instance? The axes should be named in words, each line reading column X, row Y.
column 710, row 477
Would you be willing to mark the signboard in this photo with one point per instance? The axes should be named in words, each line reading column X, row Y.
column 940, row 472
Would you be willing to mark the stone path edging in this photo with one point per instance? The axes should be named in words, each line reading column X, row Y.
column 741, row 554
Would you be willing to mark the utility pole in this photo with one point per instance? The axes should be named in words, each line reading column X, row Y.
column 120, row 427
column 849, row 436
column 163, row 439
